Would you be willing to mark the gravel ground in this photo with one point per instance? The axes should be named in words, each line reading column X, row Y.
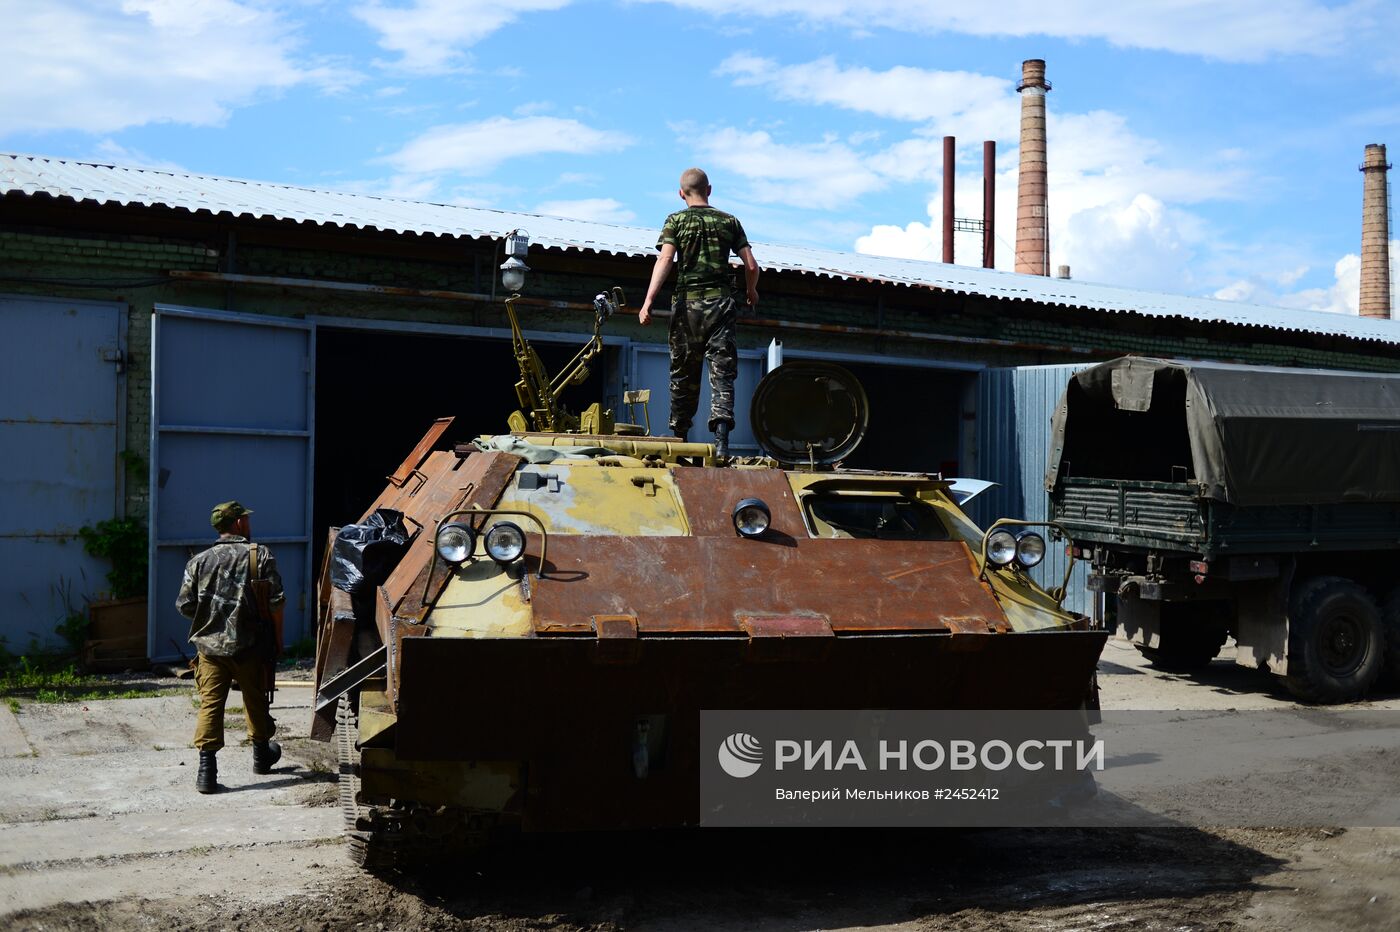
column 100, row 828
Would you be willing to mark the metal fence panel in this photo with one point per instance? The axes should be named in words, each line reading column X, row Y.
column 1014, row 407
column 651, row 367
column 232, row 415
column 62, row 397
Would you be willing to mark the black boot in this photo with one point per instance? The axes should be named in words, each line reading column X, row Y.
column 265, row 754
column 722, row 441
column 207, row 780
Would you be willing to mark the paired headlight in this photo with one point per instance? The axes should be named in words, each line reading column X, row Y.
column 1026, row 548
column 752, row 517
column 456, row 543
column 505, row 542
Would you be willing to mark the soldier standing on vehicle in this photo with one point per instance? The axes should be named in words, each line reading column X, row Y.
column 701, row 239
column 220, row 595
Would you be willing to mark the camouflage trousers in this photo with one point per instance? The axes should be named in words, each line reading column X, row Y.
column 702, row 328
column 212, row 676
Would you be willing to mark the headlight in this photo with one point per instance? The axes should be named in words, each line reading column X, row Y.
column 1001, row 547
column 1030, row 549
column 456, row 543
column 751, row 517
column 505, row 542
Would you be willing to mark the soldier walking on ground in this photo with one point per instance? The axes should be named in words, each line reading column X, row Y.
column 700, row 239
column 235, row 637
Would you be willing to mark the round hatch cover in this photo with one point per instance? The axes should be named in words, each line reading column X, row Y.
column 809, row 412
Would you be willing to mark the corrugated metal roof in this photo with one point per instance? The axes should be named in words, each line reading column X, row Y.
column 115, row 184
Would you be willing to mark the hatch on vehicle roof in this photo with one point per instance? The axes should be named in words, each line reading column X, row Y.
column 809, row 413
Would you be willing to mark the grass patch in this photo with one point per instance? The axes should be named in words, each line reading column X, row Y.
column 46, row 683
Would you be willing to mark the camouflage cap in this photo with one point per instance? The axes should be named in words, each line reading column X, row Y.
column 227, row 511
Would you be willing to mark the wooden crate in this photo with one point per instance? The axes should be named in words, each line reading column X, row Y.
column 116, row 636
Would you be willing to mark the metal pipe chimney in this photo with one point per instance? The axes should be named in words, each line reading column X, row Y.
column 1032, row 215
column 1375, row 235
column 949, row 153
column 989, row 204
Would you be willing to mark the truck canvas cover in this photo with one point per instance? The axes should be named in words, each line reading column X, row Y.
column 1246, row 435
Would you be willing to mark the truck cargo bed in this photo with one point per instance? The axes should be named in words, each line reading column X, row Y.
column 1173, row 516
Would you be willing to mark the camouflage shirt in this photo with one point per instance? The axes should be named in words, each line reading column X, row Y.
column 704, row 238
column 213, row 596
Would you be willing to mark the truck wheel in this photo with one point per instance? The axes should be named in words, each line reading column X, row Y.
column 1191, row 634
column 1336, row 643
column 1390, row 619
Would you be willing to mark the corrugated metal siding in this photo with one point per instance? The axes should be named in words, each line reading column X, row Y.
column 1014, row 407
column 61, row 406
column 114, row 184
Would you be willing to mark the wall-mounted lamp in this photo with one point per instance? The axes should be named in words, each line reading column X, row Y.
column 514, row 268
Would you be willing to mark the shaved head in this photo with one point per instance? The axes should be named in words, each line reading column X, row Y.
column 695, row 181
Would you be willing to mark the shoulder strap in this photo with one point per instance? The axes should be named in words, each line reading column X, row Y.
column 252, row 561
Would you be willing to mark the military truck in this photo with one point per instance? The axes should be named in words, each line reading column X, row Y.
column 1216, row 500
column 569, row 603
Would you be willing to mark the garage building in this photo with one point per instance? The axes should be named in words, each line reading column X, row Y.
column 173, row 340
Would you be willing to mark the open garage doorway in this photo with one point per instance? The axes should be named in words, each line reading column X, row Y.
column 378, row 391
column 917, row 419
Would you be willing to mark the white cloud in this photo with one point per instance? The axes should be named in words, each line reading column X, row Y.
column 976, row 103
column 431, row 36
column 1241, row 30
column 1341, row 296
column 821, row 175
column 480, row 147
column 602, row 209
column 109, row 150
column 100, row 68
column 1117, row 210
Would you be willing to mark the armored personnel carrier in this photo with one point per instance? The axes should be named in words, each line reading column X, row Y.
column 569, row 603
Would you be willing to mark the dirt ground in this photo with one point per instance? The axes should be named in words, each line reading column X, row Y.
column 100, row 828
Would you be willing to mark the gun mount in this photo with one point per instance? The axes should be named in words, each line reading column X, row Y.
column 541, row 410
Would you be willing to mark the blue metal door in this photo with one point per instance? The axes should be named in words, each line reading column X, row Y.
column 1014, row 407
column 62, row 396
column 232, row 418
column 651, row 368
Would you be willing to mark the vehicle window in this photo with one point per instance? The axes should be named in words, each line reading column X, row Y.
column 883, row 517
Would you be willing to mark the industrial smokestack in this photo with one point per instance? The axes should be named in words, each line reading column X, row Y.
column 1375, row 235
column 949, row 153
column 1032, row 217
column 989, row 204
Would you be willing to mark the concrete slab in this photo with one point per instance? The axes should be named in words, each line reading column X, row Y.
column 103, row 726
column 1128, row 681
column 39, row 788
column 264, row 873
column 149, row 833
column 12, row 740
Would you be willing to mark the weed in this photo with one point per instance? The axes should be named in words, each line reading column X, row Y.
column 124, row 542
column 14, row 705
column 40, row 673
column 40, row 682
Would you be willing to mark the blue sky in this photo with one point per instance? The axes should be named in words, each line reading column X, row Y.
column 1197, row 146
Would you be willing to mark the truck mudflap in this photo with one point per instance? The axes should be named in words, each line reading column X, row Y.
column 581, row 714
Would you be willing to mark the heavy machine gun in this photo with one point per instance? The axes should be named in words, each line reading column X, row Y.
column 540, row 408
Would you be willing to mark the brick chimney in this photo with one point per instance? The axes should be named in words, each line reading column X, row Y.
column 1375, row 235
column 1032, row 214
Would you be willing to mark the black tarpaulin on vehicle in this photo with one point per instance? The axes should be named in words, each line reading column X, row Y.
column 1247, row 435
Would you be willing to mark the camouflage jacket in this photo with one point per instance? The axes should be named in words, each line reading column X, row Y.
column 704, row 238
column 214, row 596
